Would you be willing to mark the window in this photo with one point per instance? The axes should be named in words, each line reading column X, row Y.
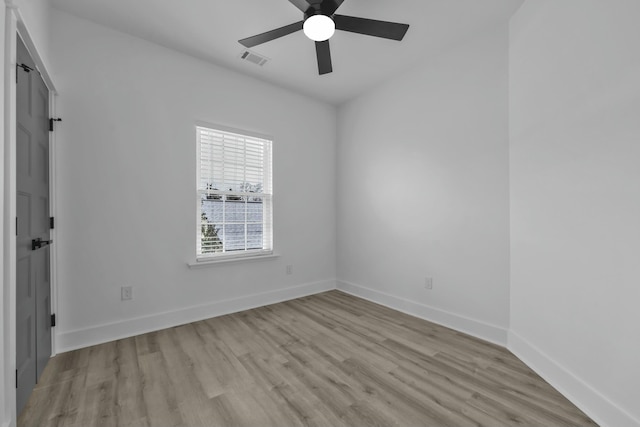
column 234, row 194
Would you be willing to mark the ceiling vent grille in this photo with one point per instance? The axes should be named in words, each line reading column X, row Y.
column 253, row 57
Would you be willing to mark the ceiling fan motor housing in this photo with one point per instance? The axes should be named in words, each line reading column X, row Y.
column 327, row 8
column 308, row 15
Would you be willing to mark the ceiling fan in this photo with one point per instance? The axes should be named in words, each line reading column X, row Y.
column 319, row 24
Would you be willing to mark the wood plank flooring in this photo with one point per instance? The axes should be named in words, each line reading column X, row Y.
column 325, row 360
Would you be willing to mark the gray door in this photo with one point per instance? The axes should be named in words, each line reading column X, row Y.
column 33, row 293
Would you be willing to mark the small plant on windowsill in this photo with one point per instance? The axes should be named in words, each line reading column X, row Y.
column 231, row 198
column 210, row 187
column 252, row 188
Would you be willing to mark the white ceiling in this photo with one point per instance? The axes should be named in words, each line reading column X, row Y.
column 210, row 30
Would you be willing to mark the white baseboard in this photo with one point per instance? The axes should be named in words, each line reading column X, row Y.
column 476, row 328
column 585, row 397
column 581, row 394
column 72, row 340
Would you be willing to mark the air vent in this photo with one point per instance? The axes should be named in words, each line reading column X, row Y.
column 253, row 57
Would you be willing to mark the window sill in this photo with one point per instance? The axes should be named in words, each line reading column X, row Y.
column 204, row 263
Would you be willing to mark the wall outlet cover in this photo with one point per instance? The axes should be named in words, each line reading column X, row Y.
column 126, row 293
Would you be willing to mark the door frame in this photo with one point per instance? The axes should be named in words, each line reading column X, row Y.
column 16, row 27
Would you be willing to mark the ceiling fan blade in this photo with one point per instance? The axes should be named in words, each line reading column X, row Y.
column 303, row 5
column 271, row 35
column 324, row 57
column 371, row 27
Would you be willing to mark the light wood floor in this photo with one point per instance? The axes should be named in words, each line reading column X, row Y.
column 324, row 360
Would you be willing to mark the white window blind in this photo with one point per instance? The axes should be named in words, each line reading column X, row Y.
column 234, row 194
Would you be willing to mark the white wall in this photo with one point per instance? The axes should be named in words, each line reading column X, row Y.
column 435, row 140
column 423, row 189
column 126, row 185
column 36, row 16
column 575, row 200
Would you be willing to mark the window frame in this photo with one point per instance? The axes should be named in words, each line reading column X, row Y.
column 267, row 222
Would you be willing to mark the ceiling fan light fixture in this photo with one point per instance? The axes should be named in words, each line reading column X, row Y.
column 319, row 24
column 319, row 28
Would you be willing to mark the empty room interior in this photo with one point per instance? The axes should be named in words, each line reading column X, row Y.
column 217, row 214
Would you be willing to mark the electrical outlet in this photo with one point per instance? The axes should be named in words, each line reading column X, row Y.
column 289, row 270
column 428, row 283
column 126, row 293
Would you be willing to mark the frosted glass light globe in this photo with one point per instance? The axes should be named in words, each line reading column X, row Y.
column 319, row 28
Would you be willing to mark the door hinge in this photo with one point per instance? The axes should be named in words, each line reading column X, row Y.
column 53, row 320
column 51, row 223
column 16, row 378
column 16, row 226
column 51, row 120
column 25, row 67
